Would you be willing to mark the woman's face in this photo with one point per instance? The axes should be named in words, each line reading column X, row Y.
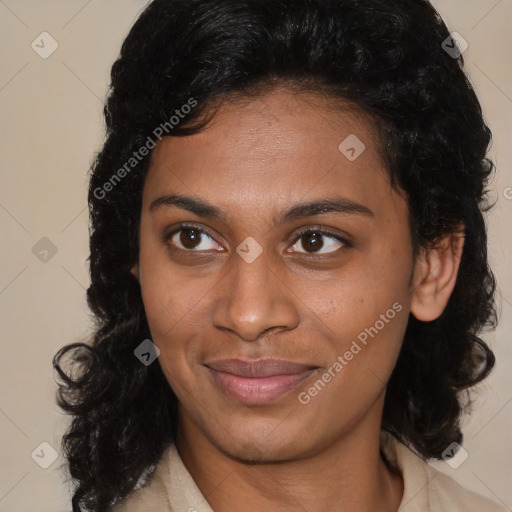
column 278, row 323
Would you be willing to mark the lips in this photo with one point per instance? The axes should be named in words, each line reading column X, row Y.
column 258, row 382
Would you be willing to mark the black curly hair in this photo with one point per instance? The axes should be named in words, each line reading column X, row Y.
column 386, row 57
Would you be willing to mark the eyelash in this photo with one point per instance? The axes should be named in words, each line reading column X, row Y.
column 323, row 231
column 312, row 229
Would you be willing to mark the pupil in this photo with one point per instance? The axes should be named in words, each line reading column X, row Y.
column 313, row 241
column 190, row 237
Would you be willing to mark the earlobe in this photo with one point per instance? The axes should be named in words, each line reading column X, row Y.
column 135, row 271
column 435, row 277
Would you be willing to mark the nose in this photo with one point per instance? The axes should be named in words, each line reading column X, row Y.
column 253, row 300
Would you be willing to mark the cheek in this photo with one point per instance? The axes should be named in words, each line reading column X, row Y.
column 384, row 273
column 175, row 313
column 374, row 315
column 169, row 307
column 355, row 296
column 167, row 297
column 176, row 308
column 159, row 300
column 359, row 369
column 365, row 312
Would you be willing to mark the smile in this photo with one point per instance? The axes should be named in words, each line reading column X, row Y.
column 258, row 382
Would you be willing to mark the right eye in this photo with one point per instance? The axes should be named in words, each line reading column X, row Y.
column 192, row 239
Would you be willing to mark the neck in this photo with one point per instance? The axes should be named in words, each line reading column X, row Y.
column 345, row 474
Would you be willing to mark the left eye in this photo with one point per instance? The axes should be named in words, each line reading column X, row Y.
column 313, row 242
column 188, row 238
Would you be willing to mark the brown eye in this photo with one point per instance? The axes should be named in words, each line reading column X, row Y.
column 312, row 241
column 192, row 239
column 315, row 241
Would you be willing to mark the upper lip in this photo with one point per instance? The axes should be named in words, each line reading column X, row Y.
column 259, row 368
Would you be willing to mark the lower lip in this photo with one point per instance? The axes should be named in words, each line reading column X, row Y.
column 258, row 390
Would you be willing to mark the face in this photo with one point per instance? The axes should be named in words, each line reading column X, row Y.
column 275, row 272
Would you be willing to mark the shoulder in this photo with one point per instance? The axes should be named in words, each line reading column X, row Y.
column 150, row 494
column 427, row 489
column 448, row 494
column 169, row 488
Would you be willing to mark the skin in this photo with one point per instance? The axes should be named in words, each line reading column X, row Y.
column 257, row 159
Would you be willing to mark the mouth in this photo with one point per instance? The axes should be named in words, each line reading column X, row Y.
column 258, row 382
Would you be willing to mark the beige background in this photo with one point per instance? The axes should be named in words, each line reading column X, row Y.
column 51, row 112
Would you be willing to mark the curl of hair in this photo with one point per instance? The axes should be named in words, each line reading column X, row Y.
column 383, row 56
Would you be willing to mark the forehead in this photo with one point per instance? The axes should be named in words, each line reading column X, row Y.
column 274, row 150
column 287, row 123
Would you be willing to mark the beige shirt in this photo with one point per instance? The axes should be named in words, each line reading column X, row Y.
column 171, row 488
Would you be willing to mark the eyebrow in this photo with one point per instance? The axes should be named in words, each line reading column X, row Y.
column 298, row 211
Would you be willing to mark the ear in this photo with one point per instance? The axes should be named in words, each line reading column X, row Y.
column 135, row 271
column 435, row 276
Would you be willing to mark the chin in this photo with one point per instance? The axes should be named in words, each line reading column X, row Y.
column 250, row 447
column 256, row 453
